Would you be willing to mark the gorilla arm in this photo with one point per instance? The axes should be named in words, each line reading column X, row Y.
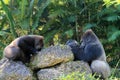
column 91, row 52
column 74, row 48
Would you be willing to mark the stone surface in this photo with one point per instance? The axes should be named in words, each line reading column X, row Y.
column 64, row 69
column 48, row 64
column 49, row 74
column 51, row 56
column 74, row 66
column 10, row 70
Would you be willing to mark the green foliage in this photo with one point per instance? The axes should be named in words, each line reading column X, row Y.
column 10, row 18
column 83, row 76
column 108, row 3
column 114, row 36
column 116, row 71
column 77, row 76
column 60, row 20
column 41, row 8
column 23, row 3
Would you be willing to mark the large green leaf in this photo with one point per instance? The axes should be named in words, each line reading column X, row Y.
column 69, row 33
column 3, row 33
column 25, row 24
column 39, row 13
column 114, row 36
column 10, row 18
column 112, row 18
column 23, row 4
column 89, row 25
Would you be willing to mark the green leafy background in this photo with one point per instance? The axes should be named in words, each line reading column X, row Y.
column 60, row 20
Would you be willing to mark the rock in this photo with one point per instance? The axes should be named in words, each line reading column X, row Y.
column 51, row 56
column 10, row 70
column 74, row 66
column 49, row 74
column 64, row 69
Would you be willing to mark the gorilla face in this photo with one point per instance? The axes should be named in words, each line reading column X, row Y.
column 72, row 43
column 88, row 37
column 39, row 43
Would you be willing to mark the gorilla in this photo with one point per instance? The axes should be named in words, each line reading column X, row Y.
column 91, row 51
column 22, row 48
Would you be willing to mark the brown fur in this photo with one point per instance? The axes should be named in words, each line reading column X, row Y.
column 20, row 48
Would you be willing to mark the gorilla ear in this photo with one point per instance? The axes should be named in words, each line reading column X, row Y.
column 41, row 37
column 38, row 40
column 41, row 40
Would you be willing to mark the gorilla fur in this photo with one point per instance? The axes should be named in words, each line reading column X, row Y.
column 100, row 68
column 23, row 47
column 75, row 47
column 91, row 51
column 92, row 46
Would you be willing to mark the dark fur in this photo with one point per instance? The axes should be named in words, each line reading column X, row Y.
column 23, row 47
column 90, row 50
column 93, row 48
column 75, row 47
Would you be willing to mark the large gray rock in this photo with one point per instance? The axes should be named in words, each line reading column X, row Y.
column 10, row 70
column 64, row 69
column 49, row 74
column 74, row 66
column 51, row 56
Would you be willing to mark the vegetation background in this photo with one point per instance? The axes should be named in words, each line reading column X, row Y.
column 60, row 20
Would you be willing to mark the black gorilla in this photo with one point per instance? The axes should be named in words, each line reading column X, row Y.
column 91, row 51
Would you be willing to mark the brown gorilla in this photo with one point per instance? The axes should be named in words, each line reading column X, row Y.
column 22, row 48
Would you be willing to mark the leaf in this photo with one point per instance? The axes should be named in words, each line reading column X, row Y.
column 3, row 33
column 69, row 33
column 49, row 36
column 10, row 18
column 22, row 7
column 58, row 12
column 89, row 25
column 113, row 18
column 30, row 8
column 72, row 19
column 2, row 45
column 107, row 2
column 7, row 1
column 25, row 24
column 38, row 15
column 114, row 36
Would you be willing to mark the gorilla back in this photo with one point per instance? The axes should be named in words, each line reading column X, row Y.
column 93, row 48
column 94, row 54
